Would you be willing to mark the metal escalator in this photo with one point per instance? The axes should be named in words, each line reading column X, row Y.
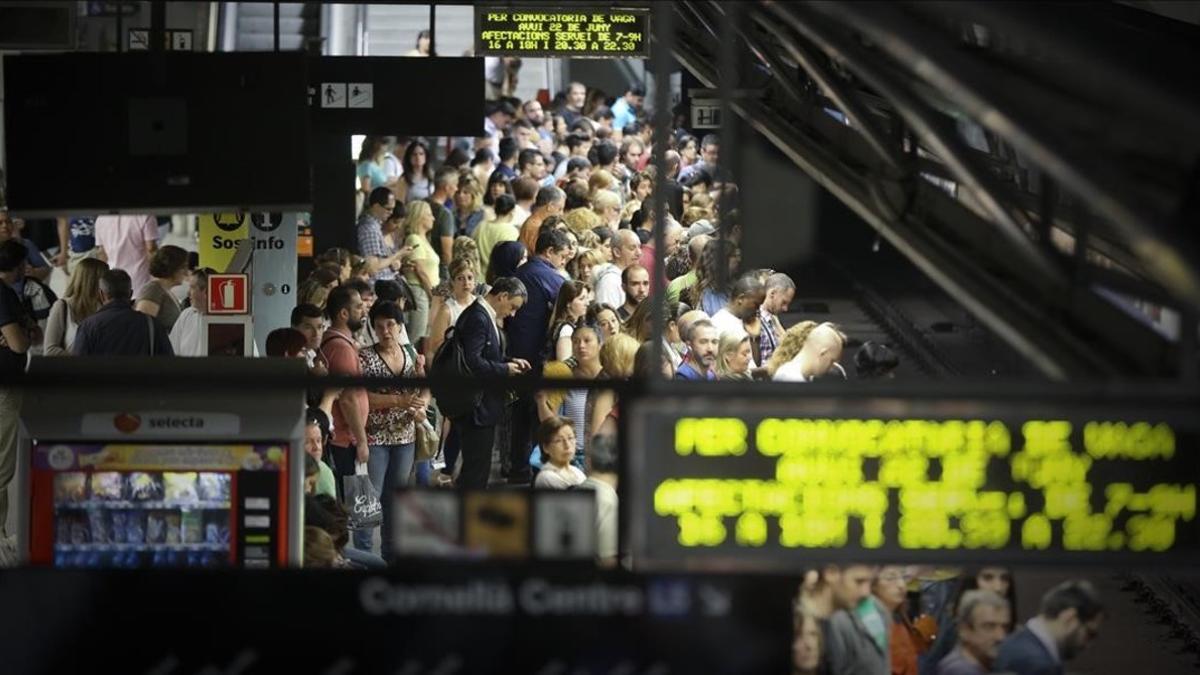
column 970, row 149
column 250, row 26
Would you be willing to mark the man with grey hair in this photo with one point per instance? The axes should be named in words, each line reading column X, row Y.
column 548, row 202
column 781, row 290
column 1070, row 618
column 626, row 249
column 479, row 333
column 117, row 329
column 984, row 620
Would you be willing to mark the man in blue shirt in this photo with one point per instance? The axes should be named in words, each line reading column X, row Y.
column 625, row 109
column 382, row 260
column 117, row 329
column 527, row 335
column 702, row 342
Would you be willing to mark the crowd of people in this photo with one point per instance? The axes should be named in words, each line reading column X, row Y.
column 531, row 249
column 891, row 620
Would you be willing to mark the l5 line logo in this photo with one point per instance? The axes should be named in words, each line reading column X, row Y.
column 127, row 423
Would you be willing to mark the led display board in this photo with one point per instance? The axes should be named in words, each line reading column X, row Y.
column 776, row 483
column 563, row 31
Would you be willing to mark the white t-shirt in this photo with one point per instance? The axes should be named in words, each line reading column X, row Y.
column 185, row 334
column 606, row 517
column 554, row 478
column 725, row 322
column 608, row 285
column 790, row 372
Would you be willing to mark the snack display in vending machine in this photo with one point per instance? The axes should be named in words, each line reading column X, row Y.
column 158, row 505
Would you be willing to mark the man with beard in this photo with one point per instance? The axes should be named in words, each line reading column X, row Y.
column 532, row 110
column 573, row 108
column 702, row 343
column 1069, row 619
column 345, row 309
column 635, row 282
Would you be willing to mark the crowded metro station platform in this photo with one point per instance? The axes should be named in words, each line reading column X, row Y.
column 821, row 338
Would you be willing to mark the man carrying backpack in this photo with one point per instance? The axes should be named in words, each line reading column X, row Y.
column 477, row 348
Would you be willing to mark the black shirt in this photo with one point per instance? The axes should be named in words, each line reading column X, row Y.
column 119, row 330
column 12, row 310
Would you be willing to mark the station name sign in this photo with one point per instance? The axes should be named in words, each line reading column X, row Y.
column 563, row 32
column 757, row 486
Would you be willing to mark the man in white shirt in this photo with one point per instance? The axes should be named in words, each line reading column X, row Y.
column 740, row 315
column 626, row 250
column 496, row 123
column 187, row 332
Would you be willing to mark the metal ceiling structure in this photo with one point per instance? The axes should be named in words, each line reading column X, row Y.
column 986, row 141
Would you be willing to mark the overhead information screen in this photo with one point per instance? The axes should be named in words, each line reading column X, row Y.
column 564, row 31
column 777, row 483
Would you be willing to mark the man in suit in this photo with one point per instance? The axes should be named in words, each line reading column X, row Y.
column 480, row 330
column 1069, row 619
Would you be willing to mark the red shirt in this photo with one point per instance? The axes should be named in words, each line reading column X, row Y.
column 341, row 353
column 647, row 261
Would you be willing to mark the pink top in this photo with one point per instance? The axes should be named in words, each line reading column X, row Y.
column 124, row 239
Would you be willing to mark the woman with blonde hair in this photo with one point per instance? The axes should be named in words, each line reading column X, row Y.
column 808, row 350
column 464, row 273
column 421, row 269
column 607, row 206
column 733, row 356
column 601, row 180
column 586, row 262
column 617, row 356
column 82, row 300
column 468, row 205
column 790, row 346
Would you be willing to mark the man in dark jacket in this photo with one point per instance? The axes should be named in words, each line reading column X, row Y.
column 1069, row 619
column 527, row 335
column 117, row 329
column 479, row 330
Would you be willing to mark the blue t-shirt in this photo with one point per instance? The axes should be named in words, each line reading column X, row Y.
column 374, row 171
column 623, row 114
column 712, row 302
column 687, row 372
column 83, row 234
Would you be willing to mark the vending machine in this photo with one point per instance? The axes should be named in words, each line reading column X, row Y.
column 175, row 476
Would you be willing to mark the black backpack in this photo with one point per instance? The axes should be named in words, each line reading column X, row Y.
column 450, row 362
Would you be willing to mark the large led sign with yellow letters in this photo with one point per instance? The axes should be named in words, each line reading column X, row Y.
column 772, row 484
